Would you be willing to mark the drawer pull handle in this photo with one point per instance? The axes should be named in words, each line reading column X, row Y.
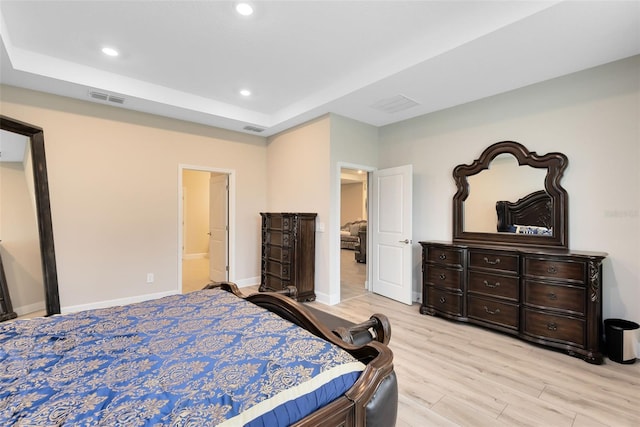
column 552, row 296
column 443, row 256
column 552, row 270
column 497, row 310
column 442, row 300
column 552, row 326
column 491, row 285
column 497, row 261
column 442, row 276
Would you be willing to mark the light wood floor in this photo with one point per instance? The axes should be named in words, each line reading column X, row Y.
column 450, row 374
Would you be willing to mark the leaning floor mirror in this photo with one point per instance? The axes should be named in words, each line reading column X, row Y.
column 22, row 148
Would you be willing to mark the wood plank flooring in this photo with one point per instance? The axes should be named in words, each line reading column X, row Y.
column 451, row 374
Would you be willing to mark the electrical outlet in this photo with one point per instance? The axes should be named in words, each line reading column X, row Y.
column 149, row 277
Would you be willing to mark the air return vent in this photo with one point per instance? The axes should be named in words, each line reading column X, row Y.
column 253, row 128
column 106, row 97
column 394, row 104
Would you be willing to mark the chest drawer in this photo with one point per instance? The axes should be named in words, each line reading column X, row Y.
column 443, row 301
column 277, row 253
column 278, row 222
column 565, row 329
column 566, row 298
column 278, row 269
column 278, row 238
column 493, row 311
column 555, row 269
column 506, row 262
column 449, row 256
column 494, row 285
column 444, row 277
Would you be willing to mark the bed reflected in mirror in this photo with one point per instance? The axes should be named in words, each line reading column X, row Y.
column 503, row 181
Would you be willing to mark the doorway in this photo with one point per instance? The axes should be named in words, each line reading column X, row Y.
column 353, row 233
column 205, row 227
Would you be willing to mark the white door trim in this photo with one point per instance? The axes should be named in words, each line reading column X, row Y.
column 232, row 215
column 334, row 236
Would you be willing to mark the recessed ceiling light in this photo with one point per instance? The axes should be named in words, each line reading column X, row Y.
column 110, row 51
column 245, row 92
column 244, row 9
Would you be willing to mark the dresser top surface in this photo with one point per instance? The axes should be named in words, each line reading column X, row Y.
column 519, row 249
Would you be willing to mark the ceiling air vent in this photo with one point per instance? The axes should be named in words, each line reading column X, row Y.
column 99, row 95
column 394, row 104
column 106, row 97
column 116, row 99
column 253, row 128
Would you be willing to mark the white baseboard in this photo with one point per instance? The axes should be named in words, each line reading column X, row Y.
column 116, row 302
column 243, row 283
column 195, row 256
column 30, row 308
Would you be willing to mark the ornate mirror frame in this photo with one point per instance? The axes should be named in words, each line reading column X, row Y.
column 554, row 163
column 43, row 208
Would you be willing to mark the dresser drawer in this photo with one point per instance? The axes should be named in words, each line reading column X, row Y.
column 444, row 277
column 493, row 311
column 442, row 255
column 566, row 298
column 278, row 269
column 554, row 327
column 502, row 261
column 443, row 301
column 555, row 269
column 494, row 285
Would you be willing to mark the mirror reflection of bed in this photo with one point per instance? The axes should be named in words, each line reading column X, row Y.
column 353, row 233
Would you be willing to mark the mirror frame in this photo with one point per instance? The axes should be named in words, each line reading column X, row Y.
column 555, row 163
column 43, row 208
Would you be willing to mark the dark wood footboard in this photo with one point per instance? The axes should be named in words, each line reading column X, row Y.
column 373, row 399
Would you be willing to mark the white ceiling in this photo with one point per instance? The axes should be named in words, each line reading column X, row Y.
column 302, row 59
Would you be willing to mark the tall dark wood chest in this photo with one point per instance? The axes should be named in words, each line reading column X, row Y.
column 288, row 253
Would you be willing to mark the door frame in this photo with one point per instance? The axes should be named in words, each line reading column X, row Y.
column 231, row 173
column 334, row 237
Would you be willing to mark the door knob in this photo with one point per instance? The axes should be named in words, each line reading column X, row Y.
column 405, row 241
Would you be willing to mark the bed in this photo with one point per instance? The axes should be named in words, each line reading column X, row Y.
column 211, row 357
column 532, row 214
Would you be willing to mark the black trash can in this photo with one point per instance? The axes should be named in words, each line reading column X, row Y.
column 620, row 336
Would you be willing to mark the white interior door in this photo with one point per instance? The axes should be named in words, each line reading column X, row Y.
column 391, row 233
column 218, row 227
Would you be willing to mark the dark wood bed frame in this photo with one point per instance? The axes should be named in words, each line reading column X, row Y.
column 373, row 399
column 533, row 209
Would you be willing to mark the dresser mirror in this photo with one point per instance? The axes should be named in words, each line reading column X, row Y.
column 511, row 196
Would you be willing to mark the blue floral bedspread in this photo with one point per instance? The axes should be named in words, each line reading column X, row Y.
column 202, row 359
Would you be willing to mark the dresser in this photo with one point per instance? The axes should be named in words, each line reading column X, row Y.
column 546, row 296
column 288, row 253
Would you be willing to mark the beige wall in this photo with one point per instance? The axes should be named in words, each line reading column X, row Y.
column 298, row 181
column 113, row 178
column 592, row 116
column 20, row 246
column 196, row 190
column 351, row 202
